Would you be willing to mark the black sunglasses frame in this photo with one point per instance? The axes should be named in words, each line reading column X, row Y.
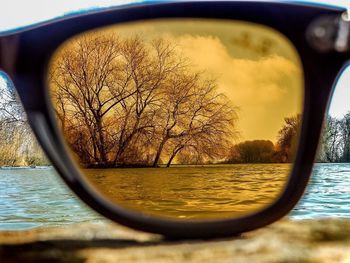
column 25, row 55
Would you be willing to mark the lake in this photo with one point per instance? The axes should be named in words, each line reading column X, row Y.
column 35, row 197
column 193, row 192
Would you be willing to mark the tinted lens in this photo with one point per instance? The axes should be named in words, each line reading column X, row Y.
column 184, row 119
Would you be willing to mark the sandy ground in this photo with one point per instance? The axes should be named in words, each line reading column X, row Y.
column 285, row 241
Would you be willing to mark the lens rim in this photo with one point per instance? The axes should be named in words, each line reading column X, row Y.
column 266, row 31
column 31, row 82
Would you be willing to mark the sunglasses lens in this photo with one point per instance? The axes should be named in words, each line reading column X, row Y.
column 183, row 119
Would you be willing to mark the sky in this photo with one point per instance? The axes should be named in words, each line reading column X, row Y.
column 17, row 13
column 264, row 87
column 32, row 11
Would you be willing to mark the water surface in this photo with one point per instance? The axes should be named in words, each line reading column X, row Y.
column 37, row 197
column 32, row 198
column 199, row 192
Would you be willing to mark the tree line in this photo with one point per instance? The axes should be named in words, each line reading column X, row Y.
column 265, row 151
column 334, row 144
column 133, row 102
column 19, row 146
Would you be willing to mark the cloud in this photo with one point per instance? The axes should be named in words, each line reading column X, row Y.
column 266, row 89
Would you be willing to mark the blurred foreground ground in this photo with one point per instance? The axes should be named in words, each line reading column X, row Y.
column 285, row 241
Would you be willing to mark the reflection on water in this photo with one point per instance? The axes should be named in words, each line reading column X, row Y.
column 37, row 198
column 193, row 192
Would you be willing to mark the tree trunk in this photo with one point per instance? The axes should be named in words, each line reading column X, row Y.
column 173, row 156
column 124, row 143
column 101, row 142
column 159, row 152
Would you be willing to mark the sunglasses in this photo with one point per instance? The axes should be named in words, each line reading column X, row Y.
column 186, row 119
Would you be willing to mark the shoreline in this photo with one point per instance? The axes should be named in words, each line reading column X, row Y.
column 5, row 167
column 104, row 221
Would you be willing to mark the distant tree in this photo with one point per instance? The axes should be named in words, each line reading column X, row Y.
column 287, row 139
column 257, row 151
column 18, row 145
column 335, row 140
column 331, row 141
column 11, row 110
column 345, row 133
column 189, row 157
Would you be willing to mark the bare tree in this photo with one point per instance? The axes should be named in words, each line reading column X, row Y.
column 331, row 141
column 196, row 116
column 122, row 101
column 11, row 110
column 345, row 132
column 148, row 67
column 18, row 145
column 87, row 84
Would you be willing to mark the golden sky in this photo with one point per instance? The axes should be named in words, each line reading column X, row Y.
column 256, row 67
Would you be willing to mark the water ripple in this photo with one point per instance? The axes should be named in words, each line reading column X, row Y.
column 36, row 197
column 327, row 194
column 32, row 198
